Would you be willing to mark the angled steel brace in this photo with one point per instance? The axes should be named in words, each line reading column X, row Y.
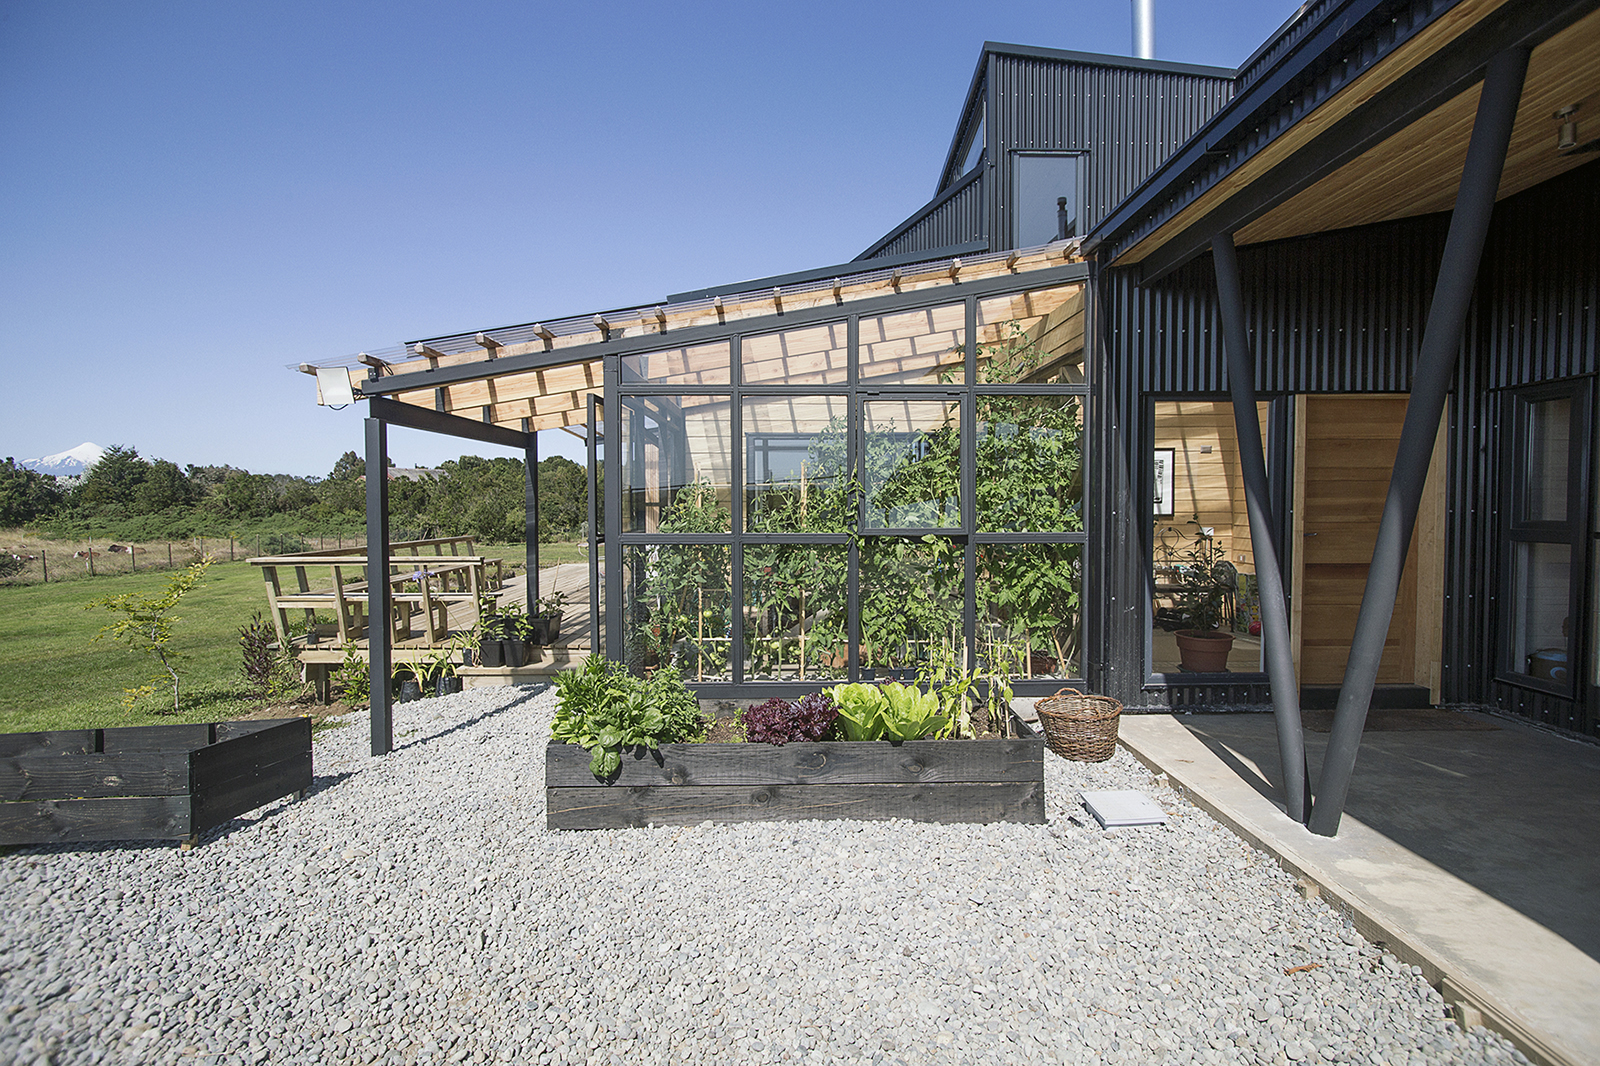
column 1435, row 367
column 1269, row 573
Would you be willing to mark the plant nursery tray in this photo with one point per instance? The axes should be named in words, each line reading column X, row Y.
column 164, row 782
column 1000, row 780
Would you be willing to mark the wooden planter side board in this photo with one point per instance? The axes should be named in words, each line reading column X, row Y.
column 920, row 780
column 146, row 782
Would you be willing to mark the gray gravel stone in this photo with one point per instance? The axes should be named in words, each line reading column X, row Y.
column 413, row 909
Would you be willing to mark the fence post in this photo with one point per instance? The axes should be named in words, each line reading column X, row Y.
column 169, row 555
column 133, row 559
column 44, row 562
column 230, row 547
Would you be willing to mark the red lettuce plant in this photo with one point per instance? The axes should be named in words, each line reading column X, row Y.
column 779, row 721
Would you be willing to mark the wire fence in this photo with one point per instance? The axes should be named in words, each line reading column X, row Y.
column 31, row 561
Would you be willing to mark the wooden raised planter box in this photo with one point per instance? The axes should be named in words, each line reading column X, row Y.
column 164, row 782
column 920, row 780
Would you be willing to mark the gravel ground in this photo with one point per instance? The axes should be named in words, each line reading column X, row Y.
column 414, row 909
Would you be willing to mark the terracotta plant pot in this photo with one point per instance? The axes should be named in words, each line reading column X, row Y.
column 1204, row 651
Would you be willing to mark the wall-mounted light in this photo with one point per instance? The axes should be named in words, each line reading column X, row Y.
column 1567, row 138
column 333, row 386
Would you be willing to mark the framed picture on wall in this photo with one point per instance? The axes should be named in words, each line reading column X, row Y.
column 1163, row 482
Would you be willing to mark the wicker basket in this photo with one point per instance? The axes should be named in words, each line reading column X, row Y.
column 1079, row 726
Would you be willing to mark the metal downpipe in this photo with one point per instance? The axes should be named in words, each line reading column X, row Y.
column 1435, row 367
column 1269, row 572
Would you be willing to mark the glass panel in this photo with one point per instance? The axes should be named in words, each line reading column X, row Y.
column 913, row 464
column 795, row 608
column 702, row 364
column 1203, row 564
column 1030, row 464
column 1045, row 205
column 975, row 145
column 681, row 618
column 1540, row 609
column 912, row 596
column 796, row 465
column 915, row 347
column 813, row 355
column 676, row 464
column 1029, row 616
column 1549, row 430
column 1032, row 337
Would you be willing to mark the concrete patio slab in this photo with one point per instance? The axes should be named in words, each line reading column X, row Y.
column 1474, row 855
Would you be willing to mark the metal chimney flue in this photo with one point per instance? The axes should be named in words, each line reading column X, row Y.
column 1144, row 29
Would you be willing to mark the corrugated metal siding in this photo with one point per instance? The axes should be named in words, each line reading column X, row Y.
column 956, row 221
column 1345, row 312
column 1536, row 317
column 1339, row 313
column 1129, row 121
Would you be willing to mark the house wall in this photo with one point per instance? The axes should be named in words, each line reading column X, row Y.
column 1344, row 312
column 1127, row 119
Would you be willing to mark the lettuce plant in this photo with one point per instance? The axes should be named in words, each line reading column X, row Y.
column 911, row 713
column 861, row 710
column 604, row 710
column 778, row 721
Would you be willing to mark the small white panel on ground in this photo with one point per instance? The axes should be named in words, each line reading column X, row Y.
column 1114, row 808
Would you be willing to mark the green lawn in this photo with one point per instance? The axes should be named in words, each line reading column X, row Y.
column 55, row 675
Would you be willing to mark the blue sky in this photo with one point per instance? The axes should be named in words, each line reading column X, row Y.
column 193, row 195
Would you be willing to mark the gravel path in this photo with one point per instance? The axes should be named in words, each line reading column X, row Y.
column 414, row 909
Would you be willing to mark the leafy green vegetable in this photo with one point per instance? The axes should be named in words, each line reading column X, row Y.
column 912, row 713
column 860, row 709
column 604, row 709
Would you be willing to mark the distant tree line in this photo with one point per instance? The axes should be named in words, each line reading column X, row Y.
column 127, row 496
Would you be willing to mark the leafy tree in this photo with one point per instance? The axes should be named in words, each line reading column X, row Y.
column 349, row 467
column 110, row 484
column 146, row 627
column 164, row 487
column 25, row 494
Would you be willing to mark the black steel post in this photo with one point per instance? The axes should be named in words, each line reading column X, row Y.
column 613, row 507
column 530, row 502
column 1430, row 381
column 1263, row 540
column 378, row 598
column 594, row 532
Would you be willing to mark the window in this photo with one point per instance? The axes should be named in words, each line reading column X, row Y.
column 1542, row 536
column 1045, row 204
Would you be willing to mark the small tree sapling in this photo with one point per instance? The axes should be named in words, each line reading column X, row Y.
column 146, row 626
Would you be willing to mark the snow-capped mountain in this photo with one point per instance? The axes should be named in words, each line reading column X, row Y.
column 68, row 463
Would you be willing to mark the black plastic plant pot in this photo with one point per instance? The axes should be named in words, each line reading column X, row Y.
column 410, row 690
column 489, row 652
column 513, row 652
column 448, row 686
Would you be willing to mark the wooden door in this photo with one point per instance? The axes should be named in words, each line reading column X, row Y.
column 1346, row 450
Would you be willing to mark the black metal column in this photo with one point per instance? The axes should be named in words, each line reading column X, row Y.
column 530, row 523
column 593, row 486
column 378, row 593
column 1436, row 364
column 1263, row 539
column 615, row 608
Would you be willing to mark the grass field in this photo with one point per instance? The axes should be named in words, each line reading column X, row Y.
column 55, row 675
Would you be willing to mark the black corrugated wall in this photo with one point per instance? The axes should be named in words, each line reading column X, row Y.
column 1128, row 120
column 1344, row 312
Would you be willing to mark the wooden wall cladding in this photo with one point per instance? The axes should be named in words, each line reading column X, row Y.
column 146, row 782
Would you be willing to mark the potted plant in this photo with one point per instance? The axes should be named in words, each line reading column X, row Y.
column 487, row 634
column 514, row 636
column 1205, row 581
column 545, row 621
column 438, row 674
